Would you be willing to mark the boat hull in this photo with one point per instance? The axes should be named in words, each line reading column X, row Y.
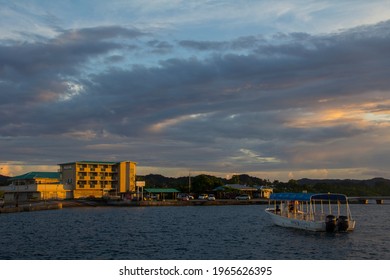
column 301, row 222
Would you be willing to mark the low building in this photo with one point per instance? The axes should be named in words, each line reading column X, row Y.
column 98, row 178
column 161, row 193
column 35, row 186
column 265, row 191
column 231, row 190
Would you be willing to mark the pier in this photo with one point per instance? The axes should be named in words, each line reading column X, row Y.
column 52, row 205
column 12, row 208
column 366, row 199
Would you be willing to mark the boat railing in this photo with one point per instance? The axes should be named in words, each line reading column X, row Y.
column 309, row 214
column 315, row 212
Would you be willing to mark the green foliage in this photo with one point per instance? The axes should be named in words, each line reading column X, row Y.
column 206, row 183
column 245, row 179
column 372, row 187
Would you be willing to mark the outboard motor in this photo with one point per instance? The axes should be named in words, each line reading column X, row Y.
column 342, row 223
column 330, row 223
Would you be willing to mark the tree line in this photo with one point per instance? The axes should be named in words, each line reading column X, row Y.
column 206, row 183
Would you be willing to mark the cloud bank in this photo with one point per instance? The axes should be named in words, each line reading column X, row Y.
column 290, row 103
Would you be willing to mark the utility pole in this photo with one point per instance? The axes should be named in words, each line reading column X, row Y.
column 189, row 182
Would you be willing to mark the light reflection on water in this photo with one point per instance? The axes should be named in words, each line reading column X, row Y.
column 193, row 232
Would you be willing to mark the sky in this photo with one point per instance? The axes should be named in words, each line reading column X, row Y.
column 275, row 89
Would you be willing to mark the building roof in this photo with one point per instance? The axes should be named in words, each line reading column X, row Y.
column 240, row 187
column 89, row 162
column 264, row 187
column 308, row 196
column 94, row 162
column 161, row 190
column 36, row 175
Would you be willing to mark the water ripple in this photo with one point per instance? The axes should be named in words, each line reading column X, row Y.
column 220, row 232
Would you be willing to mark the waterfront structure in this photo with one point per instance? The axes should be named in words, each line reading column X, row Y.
column 98, row 178
column 35, row 186
column 265, row 191
column 161, row 193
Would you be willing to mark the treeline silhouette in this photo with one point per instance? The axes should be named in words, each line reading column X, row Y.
column 206, row 183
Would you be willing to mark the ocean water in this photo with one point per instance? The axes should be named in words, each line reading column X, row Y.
column 186, row 233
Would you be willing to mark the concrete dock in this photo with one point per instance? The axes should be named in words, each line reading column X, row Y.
column 195, row 202
column 31, row 207
column 52, row 205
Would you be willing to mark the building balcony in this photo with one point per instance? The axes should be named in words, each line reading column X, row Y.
column 82, row 169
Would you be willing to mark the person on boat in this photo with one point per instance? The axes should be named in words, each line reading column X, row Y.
column 291, row 206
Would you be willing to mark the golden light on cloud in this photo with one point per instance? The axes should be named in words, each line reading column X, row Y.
column 334, row 115
column 160, row 126
column 365, row 114
column 249, row 156
column 324, row 118
column 47, row 96
column 82, row 135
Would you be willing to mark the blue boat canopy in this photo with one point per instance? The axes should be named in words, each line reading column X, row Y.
column 308, row 196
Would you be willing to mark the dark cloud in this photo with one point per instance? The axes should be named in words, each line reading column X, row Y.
column 63, row 54
column 160, row 47
column 241, row 43
column 203, row 45
column 40, row 71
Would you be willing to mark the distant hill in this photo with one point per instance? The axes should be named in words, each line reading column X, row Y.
column 156, row 180
column 367, row 182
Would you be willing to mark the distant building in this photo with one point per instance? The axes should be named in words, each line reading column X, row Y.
column 35, row 186
column 98, row 178
column 265, row 191
column 255, row 191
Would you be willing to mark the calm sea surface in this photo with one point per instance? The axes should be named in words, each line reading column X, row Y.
column 193, row 232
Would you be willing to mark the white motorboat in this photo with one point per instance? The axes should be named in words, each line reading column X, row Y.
column 314, row 212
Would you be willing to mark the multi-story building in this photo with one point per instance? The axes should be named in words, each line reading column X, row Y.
column 98, row 178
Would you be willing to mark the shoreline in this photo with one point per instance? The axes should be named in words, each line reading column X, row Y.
column 54, row 205
column 73, row 203
column 29, row 207
column 195, row 202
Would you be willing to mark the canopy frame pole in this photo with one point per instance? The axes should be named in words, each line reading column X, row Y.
column 338, row 208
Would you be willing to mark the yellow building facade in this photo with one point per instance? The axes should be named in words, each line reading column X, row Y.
column 36, row 186
column 98, row 178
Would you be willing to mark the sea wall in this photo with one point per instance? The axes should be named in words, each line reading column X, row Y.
column 31, row 207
